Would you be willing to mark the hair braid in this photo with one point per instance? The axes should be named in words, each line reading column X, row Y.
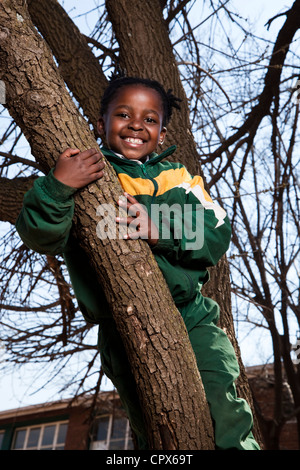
column 119, row 79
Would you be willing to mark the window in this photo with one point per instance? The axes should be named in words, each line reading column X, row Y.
column 45, row 436
column 111, row 433
column 1, row 438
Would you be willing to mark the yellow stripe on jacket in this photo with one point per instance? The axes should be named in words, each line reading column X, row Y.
column 136, row 186
column 166, row 181
column 170, row 179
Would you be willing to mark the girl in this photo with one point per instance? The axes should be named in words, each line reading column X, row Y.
column 133, row 119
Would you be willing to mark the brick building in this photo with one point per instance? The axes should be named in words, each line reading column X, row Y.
column 67, row 425
column 262, row 383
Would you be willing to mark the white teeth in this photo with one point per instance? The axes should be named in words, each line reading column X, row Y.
column 133, row 141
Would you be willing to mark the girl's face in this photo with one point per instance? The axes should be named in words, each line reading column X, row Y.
column 132, row 123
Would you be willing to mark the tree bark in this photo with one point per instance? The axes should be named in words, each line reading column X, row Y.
column 78, row 65
column 11, row 196
column 175, row 408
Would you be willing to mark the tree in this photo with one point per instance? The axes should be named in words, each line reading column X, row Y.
column 121, row 48
column 47, row 104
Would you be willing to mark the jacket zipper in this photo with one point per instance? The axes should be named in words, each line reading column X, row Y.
column 144, row 170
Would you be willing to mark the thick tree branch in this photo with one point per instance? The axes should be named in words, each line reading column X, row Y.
column 77, row 64
column 11, row 196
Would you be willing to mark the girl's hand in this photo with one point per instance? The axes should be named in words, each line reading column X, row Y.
column 138, row 220
column 78, row 169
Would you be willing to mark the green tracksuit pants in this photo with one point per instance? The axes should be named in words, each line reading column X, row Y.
column 216, row 360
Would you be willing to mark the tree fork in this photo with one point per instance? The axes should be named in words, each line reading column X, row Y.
column 78, row 65
column 158, row 347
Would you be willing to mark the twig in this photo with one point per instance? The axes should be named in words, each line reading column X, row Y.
column 186, row 62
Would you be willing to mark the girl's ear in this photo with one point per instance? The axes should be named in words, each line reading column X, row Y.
column 101, row 127
column 162, row 135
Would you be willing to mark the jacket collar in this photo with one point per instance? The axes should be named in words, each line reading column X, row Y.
column 153, row 157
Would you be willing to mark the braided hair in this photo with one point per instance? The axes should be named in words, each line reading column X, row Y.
column 117, row 81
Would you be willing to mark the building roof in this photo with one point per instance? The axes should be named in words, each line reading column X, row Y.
column 59, row 405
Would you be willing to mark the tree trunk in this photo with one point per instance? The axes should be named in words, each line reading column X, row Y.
column 78, row 65
column 175, row 408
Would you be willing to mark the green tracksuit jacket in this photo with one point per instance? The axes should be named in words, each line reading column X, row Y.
column 183, row 253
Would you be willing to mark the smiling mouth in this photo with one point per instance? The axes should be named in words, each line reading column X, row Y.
column 133, row 140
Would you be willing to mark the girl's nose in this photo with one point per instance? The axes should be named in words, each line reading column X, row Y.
column 136, row 124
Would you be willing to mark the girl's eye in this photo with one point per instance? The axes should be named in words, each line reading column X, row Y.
column 149, row 119
column 123, row 115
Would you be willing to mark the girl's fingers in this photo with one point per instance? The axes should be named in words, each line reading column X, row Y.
column 124, row 220
column 132, row 236
column 70, row 153
column 137, row 218
column 130, row 198
column 98, row 166
column 87, row 154
column 132, row 209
